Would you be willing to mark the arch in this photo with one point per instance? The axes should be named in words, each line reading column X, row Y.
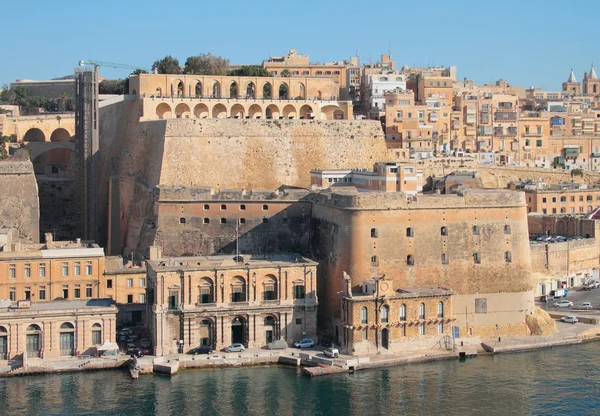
column 180, row 89
column 206, row 332
column 33, row 340
column 60, row 135
column 385, row 338
column 364, row 315
column 96, row 325
column 163, row 111
column 267, row 90
column 33, row 327
column 270, row 325
column 3, row 330
column 444, row 231
column 198, row 90
column 385, row 313
column 34, row 135
column 250, row 90
column 269, row 283
column 238, row 330
column 219, row 111
column 201, row 111
column 421, row 311
column 284, row 91
column 216, row 90
column 289, row 111
column 272, row 111
column 238, row 289
column 67, row 325
column 270, row 320
column 67, row 339
column 301, row 91
column 158, row 92
column 237, row 111
column 96, row 334
column 440, row 310
column 331, row 112
column 205, row 290
column 403, row 312
column 182, row 111
column 233, row 90
column 306, row 111
column 374, row 233
column 255, row 111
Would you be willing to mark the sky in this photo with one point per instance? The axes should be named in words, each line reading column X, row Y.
column 526, row 42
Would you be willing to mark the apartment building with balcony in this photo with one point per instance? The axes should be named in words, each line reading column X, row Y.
column 560, row 198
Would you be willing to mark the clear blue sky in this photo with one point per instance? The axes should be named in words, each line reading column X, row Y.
column 527, row 42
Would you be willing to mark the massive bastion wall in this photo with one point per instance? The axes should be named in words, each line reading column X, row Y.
column 136, row 157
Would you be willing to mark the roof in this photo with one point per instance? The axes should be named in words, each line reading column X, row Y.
column 423, row 292
column 246, row 261
column 592, row 74
column 59, row 305
column 572, row 77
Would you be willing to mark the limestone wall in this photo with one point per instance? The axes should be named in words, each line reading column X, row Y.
column 19, row 205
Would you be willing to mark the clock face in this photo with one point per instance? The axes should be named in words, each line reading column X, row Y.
column 384, row 286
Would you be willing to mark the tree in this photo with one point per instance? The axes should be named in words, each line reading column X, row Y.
column 249, row 71
column 286, row 73
column 139, row 71
column 112, row 86
column 167, row 65
column 206, row 64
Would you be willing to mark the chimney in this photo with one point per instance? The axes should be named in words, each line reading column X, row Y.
column 48, row 237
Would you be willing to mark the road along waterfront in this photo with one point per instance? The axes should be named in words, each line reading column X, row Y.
column 561, row 380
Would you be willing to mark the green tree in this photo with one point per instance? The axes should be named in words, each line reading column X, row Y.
column 138, row 72
column 286, row 73
column 112, row 86
column 167, row 65
column 249, row 71
column 206, row 64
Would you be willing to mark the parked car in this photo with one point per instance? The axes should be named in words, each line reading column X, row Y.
column 135, row 351
column 278, row 344
column 563, row 304
column 569, row 319
column 585, row 305
column 304, row 343
column 326, row 341
column 331, row 353
column 235, row 348
column 202, row 349
column 144, row 343
column 546, row 298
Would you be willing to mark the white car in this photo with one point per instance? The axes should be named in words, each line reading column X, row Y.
column 569, row 319
column 235, row 348
column 563, row 304
column 585, row 305
column 332, row 353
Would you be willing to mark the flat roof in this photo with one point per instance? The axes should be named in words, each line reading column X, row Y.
column 228, row 262
column 62, row 305
column 423, row 292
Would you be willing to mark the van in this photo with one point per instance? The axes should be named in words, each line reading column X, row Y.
column 279, row 344
column 559, row 293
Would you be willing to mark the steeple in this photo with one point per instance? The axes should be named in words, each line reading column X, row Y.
column 592, row 74
column 572, row 77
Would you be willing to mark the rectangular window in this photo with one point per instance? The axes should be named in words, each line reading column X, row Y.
column 365, row 334
column 299, row 292
column 476, row 258
column 65, row 292
column 444, row 258
column 142, row 298
column 12, row 294
column 421, row 329
column 65, row 268
column 109, row 283
column 507, row 256
column 129, row 298
column 77, row 268
column 27, row 293
column 42, row 269
column 298, row 321
column 538, row 143
column 42, row 294
column 543, row 200
column 77, row 292
column 88, row 268
column 27, row 270
column 142, row 282
column 88, row 291
column 441, row 328
column 12, row 271
column 129, row 282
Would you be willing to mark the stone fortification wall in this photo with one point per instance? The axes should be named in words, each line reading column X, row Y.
column 565, row 259
column 564, row 225
column 19, row 205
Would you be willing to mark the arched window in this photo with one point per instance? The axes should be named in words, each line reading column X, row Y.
column 403, row 312
column 385, row 310
column 238, row 289
column 33, row 341
column 373, row 260
column 96, row 334
column 270, row 288
column 373, row 232
column 440, row 309
column 205, row 289
column 3, row 343
column 250, row 90
column 421, row 311
column 223, row 220
column 216, row 90
column 410, row 260
column 198, row 89
column 409, row 232
column 269, row 321
column 444, row 231
column 67, row 339
column 233, row 90
column 507, row 227
column 267, row 91
column 364, row 315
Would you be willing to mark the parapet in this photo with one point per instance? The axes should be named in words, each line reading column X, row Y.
column 203, row 193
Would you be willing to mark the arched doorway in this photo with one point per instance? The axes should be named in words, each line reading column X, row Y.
column 219, row 111
column 158, row 92
column 182, row 111
column 198, row 90
column 60, row 135
column 34, row 135
column 301, row 91
column 3, row 343
column 33, row 344
column 385, row 338
column 67, row 339
column 216, row 92
column 205, row 332
column 255, row 111
column 306, row 111
column 237, row 111
column 180, row 89
column 238, row 330
column 283, row 91
column 250, row 90
column 272, row 112
column 97, row 334
column 201, row 111
column 163, row 111
column 233, row 90
column 270, row 329
column 267, row 90
column 289, row 111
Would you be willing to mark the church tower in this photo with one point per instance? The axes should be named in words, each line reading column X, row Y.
column 571, row 86
column 591, row 83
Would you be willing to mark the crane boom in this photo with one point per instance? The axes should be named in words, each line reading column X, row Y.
column 113, row 65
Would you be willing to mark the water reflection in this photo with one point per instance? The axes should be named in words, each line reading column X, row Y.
column 557, row 381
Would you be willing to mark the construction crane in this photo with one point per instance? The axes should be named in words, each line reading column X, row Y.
column 114, row 65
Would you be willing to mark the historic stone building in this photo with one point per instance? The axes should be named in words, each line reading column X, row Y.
column 378, row 318
column 220, row 300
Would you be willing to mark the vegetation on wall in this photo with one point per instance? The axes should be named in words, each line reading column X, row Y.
column 206, row 64
column 249, row 71
column 30, row 103
column 167, row 65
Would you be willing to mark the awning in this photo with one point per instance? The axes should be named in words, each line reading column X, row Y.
column 108, row 346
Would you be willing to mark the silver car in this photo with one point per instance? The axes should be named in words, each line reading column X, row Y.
column 235, row 348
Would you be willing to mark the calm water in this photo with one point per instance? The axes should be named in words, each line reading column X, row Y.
column 558, row 381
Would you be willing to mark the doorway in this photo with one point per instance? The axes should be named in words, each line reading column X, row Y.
column 385, row 338
column 238, row 331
